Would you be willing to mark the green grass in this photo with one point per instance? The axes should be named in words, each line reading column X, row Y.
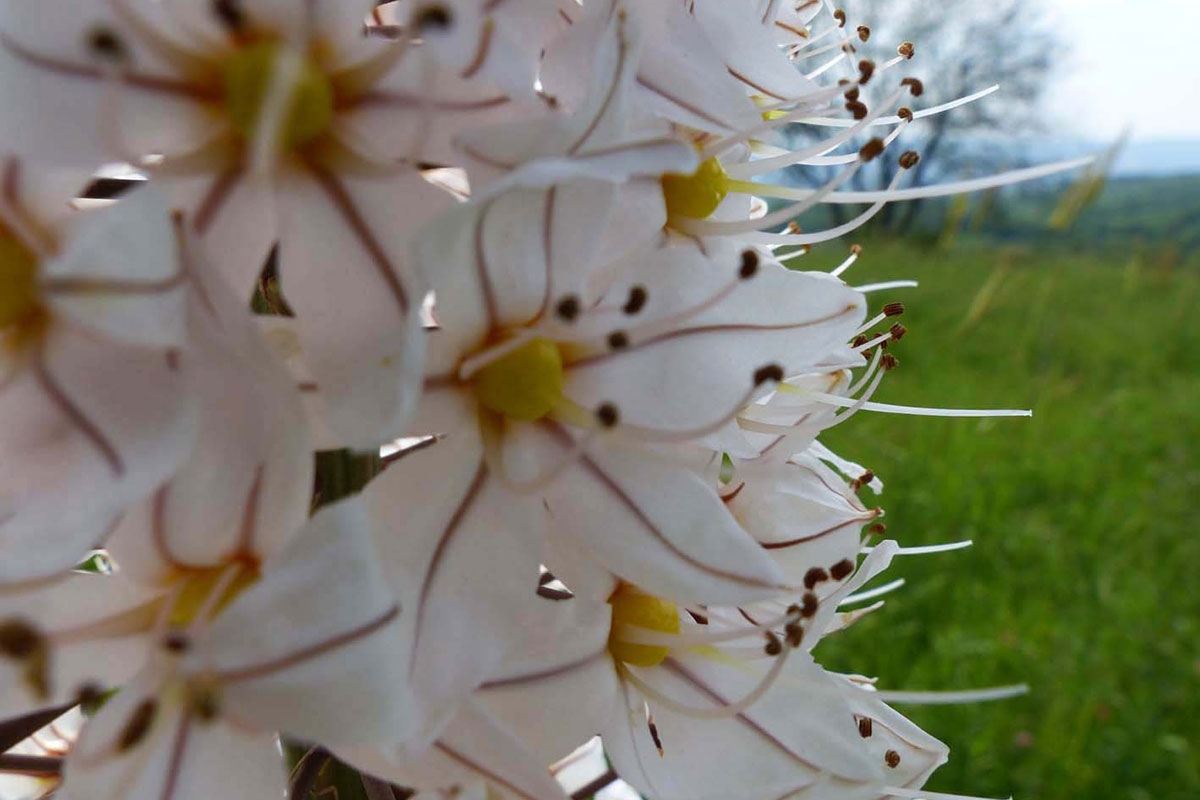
column 1083, row 579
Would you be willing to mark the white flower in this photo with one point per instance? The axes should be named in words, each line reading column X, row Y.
column 270, row 121
column 305, row 650
column 92, row 397
column 559, row 413
column 695, row 705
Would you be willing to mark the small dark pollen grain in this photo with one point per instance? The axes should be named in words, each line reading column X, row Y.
column 138, row 725
column 814, row 576
column 841, row 569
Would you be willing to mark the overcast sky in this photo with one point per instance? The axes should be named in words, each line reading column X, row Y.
column 1132, row 61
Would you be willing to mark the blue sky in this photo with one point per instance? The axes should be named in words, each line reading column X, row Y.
column 1133, row 62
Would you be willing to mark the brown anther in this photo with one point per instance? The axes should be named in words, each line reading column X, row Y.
column 230, row 14
column 871, row 150
column 89, row 695
column 898, row 331
column 568, row 308
column 859, row 110
column 814, row 576
column 749, row 266
column 866, row 727
column 907, row 49
column 915, row 87
column 773, row 646
column 889, row 362
column 892, row 758
column 106, row 44
column 793, row 227
column 856, row 249
column 176, row 642
column 204, row 704
column 793, row 610
column 607, row 415
column 878, row 529
column 859, row 340
column 910, row 159
column 138, row 725
column 810, row 605
column 852, row 94
column 905, row 113
column 866, row 68
column 768, row 372
column 866, row 477
column 433, row 16
column 794, row 633
column 18, row 639
column 841, row 569
column 637, row 300
column 618, row 340
column 864, row 33
column 893, row 309
column 840, row 16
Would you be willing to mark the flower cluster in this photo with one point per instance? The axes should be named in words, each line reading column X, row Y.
column 521, row 246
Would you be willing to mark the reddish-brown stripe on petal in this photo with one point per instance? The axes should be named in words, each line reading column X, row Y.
column 214, row 199
column 76, row 416
column 610, row 484
column 546, row 674
column 481, row 770
column 178, row 748
column 677, row 668
column 460, row 513
column 149, row 83
column 353, row 217
column 310, row 652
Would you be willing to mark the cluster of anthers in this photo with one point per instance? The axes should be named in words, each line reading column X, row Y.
column 511, row 284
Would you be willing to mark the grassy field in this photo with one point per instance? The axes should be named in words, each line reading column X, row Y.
column 1083, row 580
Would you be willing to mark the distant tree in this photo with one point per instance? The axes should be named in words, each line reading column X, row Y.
column 961, row 46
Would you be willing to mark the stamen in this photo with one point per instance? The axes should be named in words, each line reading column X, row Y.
column 725, row 711
column 954, row 698
column 707, row 227
column 838, row 122
column 889, row 408
column 867, row 288
column 705, row 635
column 830, row 233
column 871, row 594
column 855, row 252
column 762, row 166
column 648, row 434
column 927, row 549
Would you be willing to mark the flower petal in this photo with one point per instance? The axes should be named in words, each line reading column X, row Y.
column 473, row 747
column 692, row 374
column 245, row 488
column 48, row 61
column 658, row 525
column 120, row 273
column 800, row 729
column 179, row 756
column 368, row 365
column 312, row 648
column 93, row 629
column 462, row 552
column 90, row 428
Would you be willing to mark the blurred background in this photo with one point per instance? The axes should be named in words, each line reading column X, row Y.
column 1073, row 297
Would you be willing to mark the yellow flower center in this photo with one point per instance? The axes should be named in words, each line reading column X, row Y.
column 19, row 296
column 197, row 586
column 696, row 195
column 525, row 384
column 632, row 607
column 248, row 76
